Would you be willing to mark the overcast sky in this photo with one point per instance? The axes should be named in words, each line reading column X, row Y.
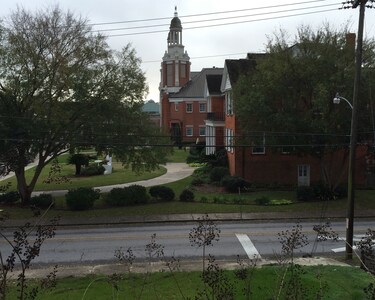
column 207, row 45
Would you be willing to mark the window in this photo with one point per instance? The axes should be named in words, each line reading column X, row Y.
column 259, row 145
column 189, row 107
column 202, row 130
column 176, row 106
column 202, row 107
column 169, row 75
column 229, row 140
column 189, row 130
column 228, row 103
column 183, row 70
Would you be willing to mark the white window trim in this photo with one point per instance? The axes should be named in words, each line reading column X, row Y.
column 205, row 107
column 229, row 103
column 258, row 147
column 229, row 140
column 192, row 130
column 192, row 109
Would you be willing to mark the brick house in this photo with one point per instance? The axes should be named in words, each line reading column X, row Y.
column 260, row 165
column 186, row 97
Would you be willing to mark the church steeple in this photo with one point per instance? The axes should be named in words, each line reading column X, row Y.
column 175, row 70
column 175, row 31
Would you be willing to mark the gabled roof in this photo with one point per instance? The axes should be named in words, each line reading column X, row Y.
column 195, row 87
column 235, row 67
column 213, row 84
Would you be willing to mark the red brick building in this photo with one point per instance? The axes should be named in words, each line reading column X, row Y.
column 260, row 165
column 200, row 106
column 186, row 97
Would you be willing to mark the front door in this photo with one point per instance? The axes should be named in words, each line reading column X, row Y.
column 303, row 175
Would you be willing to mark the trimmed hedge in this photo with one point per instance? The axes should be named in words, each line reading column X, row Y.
column 162, row 193
column 131, row 195
column 81, row 198
column 42, row 201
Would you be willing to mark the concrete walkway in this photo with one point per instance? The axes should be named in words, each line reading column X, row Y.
column 175, row 172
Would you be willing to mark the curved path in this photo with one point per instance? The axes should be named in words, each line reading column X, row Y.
column 175, row 172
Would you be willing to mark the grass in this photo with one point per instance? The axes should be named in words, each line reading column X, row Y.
column 119, row 175
column 338, row 283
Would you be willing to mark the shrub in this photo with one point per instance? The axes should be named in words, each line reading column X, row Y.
column 305, row 193
column 117, row 197
column 131, row 195
column 205, row 170
column 187, row 196
column 233, row 183
column 162, row 193
column 10, row 197
column 42, row 201
column 218, row 173
column 93, row 170
column 137, row 194
column 193, row 159
column 81, row 198
column 262, row 200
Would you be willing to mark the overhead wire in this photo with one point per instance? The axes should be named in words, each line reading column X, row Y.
column 207, row 14
column 217, row 19
column 224, row 24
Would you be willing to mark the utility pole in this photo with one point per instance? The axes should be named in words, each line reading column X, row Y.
column 354, row 131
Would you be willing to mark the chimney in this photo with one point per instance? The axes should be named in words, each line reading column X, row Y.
column 350, row 41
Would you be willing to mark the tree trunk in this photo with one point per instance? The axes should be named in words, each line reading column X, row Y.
column 24, row 190
column 78, row 169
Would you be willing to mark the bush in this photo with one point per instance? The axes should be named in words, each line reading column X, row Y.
column 218, row 173
column 233, row 183
column 93, row 170
column 131, row 195
column 305, row 193
column 187, row 196
column 191, row 159
column 10, row 197
column 42, row 201
column 117, row 197
column 137, row 194
column 81, row 198
column 162, row 193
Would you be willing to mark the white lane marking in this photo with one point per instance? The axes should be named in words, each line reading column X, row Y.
column 248, row 246
column 342, row 249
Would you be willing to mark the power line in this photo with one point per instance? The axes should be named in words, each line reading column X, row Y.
column 225, row 24
column 218, row 19
column 206, row 14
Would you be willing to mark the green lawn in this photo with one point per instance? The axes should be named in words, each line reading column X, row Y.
column 119, row 175
column 337, row 283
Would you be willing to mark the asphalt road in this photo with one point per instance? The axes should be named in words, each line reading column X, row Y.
column 98, row 244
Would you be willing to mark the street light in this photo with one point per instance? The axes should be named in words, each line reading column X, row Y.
column 338, row 98
column 351, row 180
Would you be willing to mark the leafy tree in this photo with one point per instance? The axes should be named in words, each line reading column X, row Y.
column 289, row 95
column 61, row 86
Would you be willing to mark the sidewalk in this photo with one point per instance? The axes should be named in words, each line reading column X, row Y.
column 175, row 172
